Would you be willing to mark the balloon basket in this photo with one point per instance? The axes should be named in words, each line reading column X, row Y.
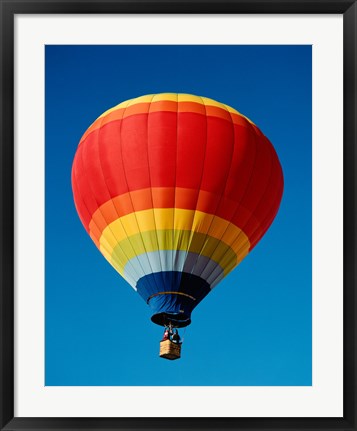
column 170, row 350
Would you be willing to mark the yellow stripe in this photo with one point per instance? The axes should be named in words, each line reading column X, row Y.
column 174, row 97
column 174, row 218
column 194, row 242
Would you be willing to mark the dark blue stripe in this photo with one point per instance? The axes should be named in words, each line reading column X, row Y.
column 171, row 307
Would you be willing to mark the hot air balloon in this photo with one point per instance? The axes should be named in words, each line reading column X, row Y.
column 175, row 190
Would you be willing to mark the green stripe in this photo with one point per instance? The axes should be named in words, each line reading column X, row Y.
column 194, row 242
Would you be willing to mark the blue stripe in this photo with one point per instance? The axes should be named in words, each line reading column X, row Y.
column 176, row 308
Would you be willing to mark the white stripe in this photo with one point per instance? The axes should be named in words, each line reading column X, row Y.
column 173, row 260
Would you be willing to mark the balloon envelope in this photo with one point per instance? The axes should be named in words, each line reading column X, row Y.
column 175, row 190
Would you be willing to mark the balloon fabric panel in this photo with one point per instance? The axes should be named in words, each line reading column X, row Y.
column 175, row 190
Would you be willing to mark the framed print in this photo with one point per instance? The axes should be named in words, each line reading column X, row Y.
column 177, row 220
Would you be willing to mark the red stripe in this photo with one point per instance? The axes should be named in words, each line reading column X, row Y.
column 228, row 169
column 167, row 106
column 162, row 147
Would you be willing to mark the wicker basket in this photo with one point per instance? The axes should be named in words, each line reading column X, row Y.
column 170, row 350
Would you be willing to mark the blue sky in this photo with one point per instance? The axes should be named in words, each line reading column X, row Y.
column 254, row 329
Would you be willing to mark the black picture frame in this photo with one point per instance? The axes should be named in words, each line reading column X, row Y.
column 8, row 9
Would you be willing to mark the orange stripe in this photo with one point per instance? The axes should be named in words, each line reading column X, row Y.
column 163, row 105
column 168, row 197
column 198, row 108
column 214, row 111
